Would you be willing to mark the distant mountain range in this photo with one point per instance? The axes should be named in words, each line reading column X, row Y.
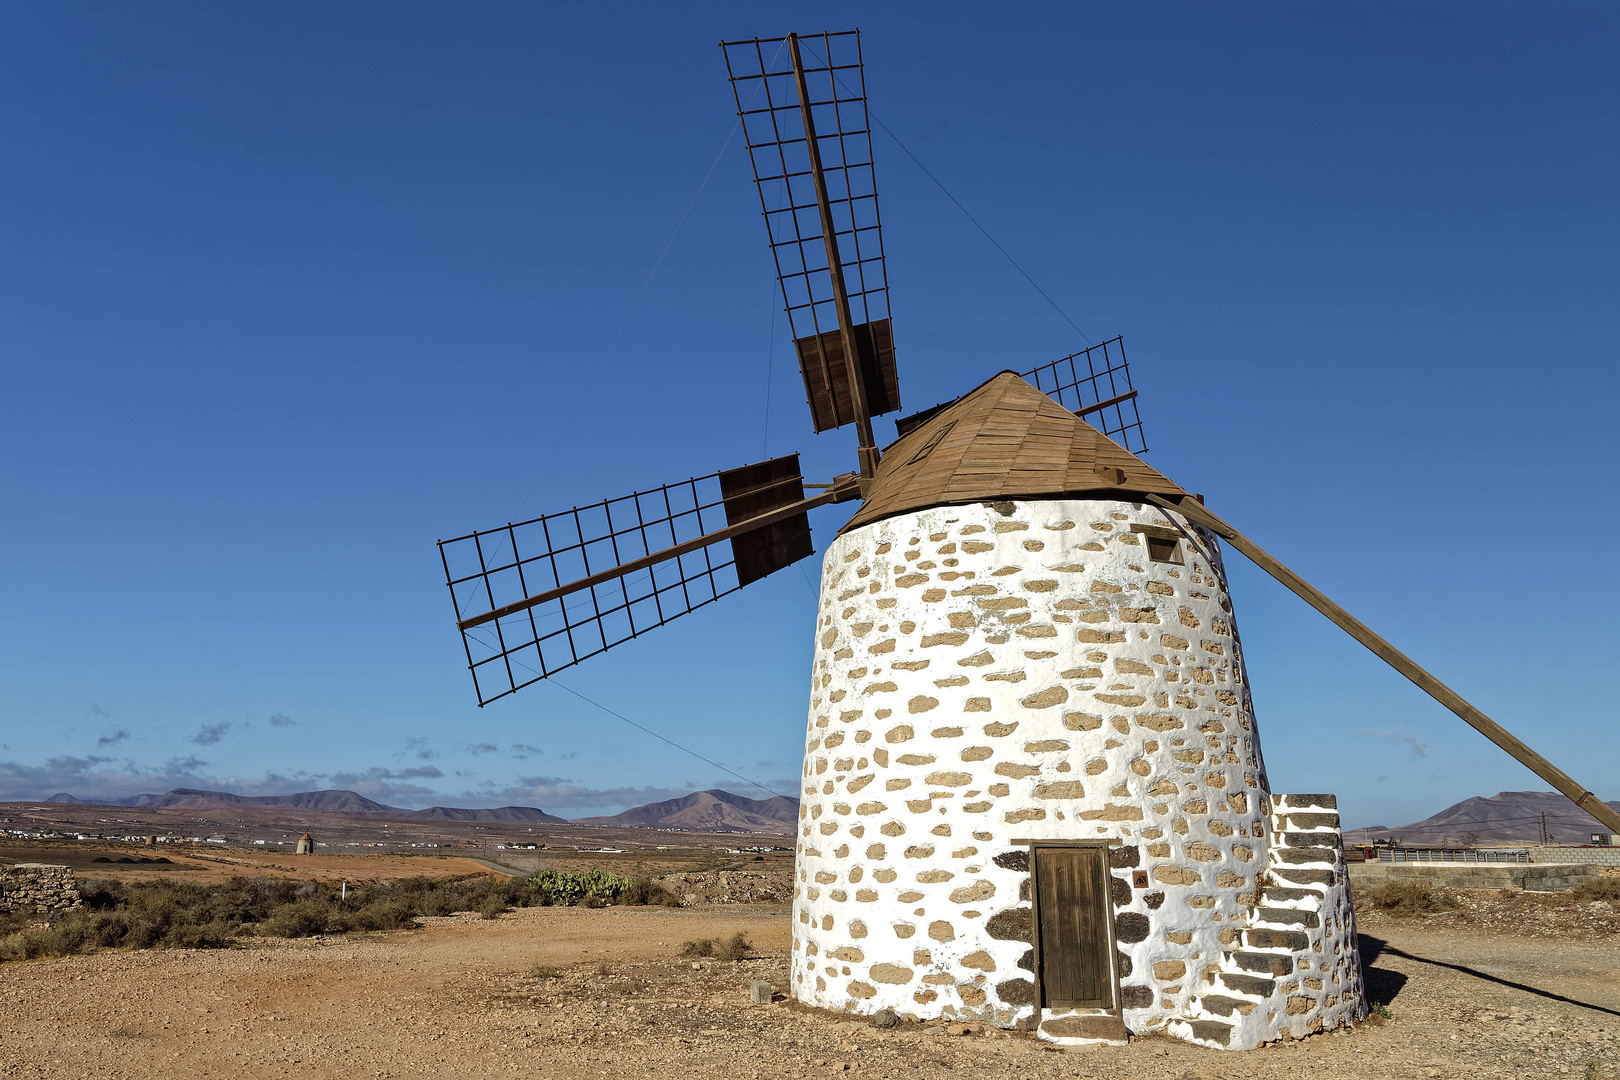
column 701, row 811
column 1508, row 817
column 325, row 802
column 708, row 811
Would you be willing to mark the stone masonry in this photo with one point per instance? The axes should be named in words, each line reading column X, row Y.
column 1020, row 671
column 37, row 887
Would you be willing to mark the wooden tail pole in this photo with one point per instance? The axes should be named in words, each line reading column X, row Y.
column 1195, row 511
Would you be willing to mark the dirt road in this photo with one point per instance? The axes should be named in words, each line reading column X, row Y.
column 466, row 997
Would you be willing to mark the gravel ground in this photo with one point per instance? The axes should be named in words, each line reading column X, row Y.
column 570, row 994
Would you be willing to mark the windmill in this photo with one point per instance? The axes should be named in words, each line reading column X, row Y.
column 1033, row 791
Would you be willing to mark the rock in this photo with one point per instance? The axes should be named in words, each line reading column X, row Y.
column 759, row 992
column 886, row 1018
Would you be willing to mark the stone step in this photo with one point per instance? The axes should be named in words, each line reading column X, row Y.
column 1284, row 803
column 1262, row 963
column 1284, row 916
column 1221, row 1005
column 1297, row 875
column 1264, row 938
column 1304, row 820
column 1282, row 894
column 1303, row 856
column 1307, row 839
column 1255, row 986
column 1211, row 1031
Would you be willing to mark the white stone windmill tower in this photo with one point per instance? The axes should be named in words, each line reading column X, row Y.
column 1033, row 791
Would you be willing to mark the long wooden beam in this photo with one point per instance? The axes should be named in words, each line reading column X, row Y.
column 835, row 494
column 835, row 269
column 1580, row 796
column 1101, row 405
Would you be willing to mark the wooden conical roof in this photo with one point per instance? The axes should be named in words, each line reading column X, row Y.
column 1003, row 440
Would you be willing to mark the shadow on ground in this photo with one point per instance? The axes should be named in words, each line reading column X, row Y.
column 1383, row 984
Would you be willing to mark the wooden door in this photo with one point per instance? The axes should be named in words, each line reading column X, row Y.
column 1075, row 930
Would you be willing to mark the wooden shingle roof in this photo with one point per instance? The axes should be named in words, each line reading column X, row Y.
column 1004, row 440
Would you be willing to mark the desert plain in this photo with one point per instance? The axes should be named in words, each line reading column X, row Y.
column 1503, row 985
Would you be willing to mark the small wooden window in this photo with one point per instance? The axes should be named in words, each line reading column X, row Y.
column 1163, row 545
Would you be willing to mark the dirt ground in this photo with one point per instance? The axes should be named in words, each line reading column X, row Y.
column 572, row 993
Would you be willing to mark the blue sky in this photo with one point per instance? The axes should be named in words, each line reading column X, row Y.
column 291, row 292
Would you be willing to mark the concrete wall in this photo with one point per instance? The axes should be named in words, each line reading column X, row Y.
column 989, row 674
column 37, row 887
column 1588, row 856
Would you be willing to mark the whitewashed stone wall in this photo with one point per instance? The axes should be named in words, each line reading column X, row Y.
column 1009, row 671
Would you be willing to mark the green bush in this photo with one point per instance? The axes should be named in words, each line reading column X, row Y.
column 187, row 915
column 302, row 918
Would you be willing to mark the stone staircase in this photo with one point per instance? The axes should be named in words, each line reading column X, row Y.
column 1292, row 969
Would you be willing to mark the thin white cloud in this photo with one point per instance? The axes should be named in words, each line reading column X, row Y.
column 1418, row 747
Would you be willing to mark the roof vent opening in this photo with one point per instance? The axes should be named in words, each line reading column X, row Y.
column 1162, row 550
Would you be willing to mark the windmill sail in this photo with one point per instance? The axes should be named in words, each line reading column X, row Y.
column 1095, row 383
column 819, row 199
column 538, row 596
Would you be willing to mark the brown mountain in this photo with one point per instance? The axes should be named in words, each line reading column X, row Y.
column 708, row 811
column 1508, row 817
column 325, row 802
column 500, row 815
column 331, row 802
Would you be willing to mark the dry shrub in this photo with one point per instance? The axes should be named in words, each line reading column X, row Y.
column 691, row 950
column 648, row 893
column 1408, row 899
column 1600, row 888
column 735, row 947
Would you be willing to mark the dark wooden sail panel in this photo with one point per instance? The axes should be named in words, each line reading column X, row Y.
column 821, row 357
column 758, row 489
column 1003, row 440
column 1076, row 936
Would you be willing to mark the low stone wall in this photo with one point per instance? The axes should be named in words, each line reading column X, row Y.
column 37, row 887
column 1529, row 877
column 730, row 887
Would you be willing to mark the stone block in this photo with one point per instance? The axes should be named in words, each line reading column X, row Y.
column 1104, row 1026
column 759, row 992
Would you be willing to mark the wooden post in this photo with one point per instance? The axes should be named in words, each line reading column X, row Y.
column 1195, row 511
column 835, row 267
